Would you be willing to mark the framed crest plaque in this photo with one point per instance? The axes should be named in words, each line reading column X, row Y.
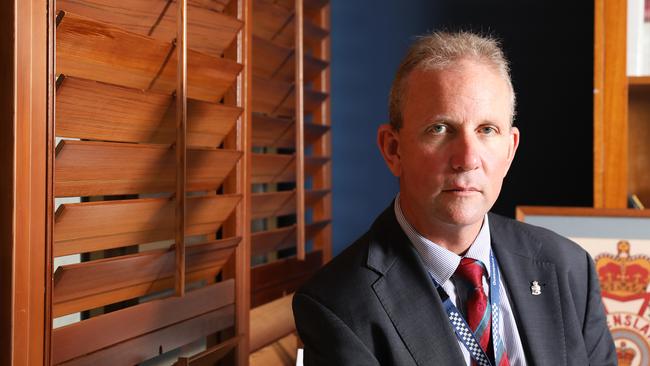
column 619, row 242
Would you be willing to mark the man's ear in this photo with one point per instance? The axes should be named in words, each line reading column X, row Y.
column 388, row 143
column 513, row 143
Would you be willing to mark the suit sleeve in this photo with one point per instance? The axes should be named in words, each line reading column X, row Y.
column 598, row 340
column 327, row 339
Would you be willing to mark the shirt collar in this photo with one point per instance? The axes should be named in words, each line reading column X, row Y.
column 440, row 262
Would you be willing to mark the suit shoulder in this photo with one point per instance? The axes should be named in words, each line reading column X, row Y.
column 545, row 244
column 345, row 275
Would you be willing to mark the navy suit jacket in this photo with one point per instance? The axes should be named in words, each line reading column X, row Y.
column 374, row 304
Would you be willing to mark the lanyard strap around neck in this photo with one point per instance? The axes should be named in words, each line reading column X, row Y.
column 464, row 332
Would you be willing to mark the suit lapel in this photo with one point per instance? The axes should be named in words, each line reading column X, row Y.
column 539, row 317
column 409, row 297
column 415, row 309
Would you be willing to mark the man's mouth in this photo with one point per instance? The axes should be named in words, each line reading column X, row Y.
column 462, row 190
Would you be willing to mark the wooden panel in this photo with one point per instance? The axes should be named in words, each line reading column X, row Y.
column 137, row 16
column 91, row 226
column 280, row 132
column 272, row 204
column 288, row 286
column 208, row 77
column 277, row 239
column 160, row 287
column 104, row 330
column 312, row 68
column 274, row 168
column 208, row 123
column 310, row 5
column 271, row 132
column 281, row 277
column 323, row 178
column 85, row 168
column 269, row 57
column 208, row 29
column 276, row 62
column 269, row 95
column 523, row 211
column 93, row 50
column 313, row 34
column 275, row 23
column 263, row 242
column 211, row 355
column 205, row 83
column 299, row 104
column 279, row 271
column 268, row 19
column 270, row 322
column 92, row 284
column 280, row 353
column 277, row 98
column 93, row 110
column 239, row 223
column 636, row 81
column 98, row 51
column 136, row 350
column 313, row 100
column 49, row 206
column 639, row 149
column 215, row 5
column 26, row 130
column 281, row 203
column 611, row 127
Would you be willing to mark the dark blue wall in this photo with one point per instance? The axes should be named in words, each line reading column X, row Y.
column 369, row 39
column 550, row 46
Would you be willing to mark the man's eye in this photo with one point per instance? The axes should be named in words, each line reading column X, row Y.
column 488, row 130
column 438, row 129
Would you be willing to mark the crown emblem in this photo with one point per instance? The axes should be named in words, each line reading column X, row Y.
column 625, row 355
column 623, row 275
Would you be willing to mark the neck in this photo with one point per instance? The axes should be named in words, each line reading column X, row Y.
column 457, row 242
column 451, row 236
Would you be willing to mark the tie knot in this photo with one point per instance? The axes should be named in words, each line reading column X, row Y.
column 471, row 270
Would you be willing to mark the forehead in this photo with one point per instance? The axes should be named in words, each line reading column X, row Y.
column 468, row 90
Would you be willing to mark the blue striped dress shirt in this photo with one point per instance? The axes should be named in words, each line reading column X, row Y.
column 442, row 263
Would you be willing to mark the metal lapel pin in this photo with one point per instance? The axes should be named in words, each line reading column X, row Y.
column 535, row 288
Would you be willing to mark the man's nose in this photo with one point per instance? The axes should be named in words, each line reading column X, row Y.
column 465, row 154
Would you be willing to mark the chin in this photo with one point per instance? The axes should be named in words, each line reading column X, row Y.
column 463, row 217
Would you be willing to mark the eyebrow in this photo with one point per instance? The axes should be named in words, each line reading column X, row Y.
column 454, row 122
column 442, row 118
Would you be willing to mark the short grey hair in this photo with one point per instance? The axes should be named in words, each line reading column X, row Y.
column 438, row 50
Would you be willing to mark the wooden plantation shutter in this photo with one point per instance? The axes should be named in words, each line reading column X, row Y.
column 291, row 203
column 147, row 286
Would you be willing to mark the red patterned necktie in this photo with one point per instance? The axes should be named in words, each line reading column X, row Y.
column 478, row 313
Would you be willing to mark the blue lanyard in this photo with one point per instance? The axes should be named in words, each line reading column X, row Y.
column 463, row 331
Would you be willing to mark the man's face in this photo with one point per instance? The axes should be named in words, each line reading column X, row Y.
column 455, row 145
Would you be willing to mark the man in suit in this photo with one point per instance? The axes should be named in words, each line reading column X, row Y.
column 437, row 280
